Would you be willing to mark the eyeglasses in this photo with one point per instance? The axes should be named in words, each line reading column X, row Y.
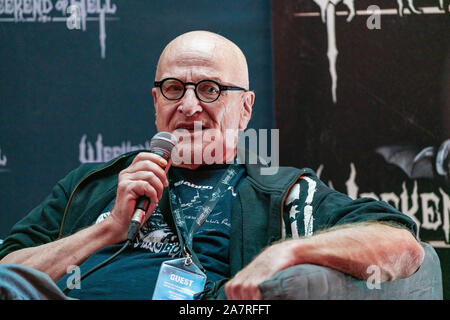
column 205, row 90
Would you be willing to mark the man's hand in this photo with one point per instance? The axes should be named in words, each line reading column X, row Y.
column 144, row 177
column 244, row 286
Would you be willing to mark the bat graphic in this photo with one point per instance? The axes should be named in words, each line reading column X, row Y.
column 413, row 9
column 430, row 162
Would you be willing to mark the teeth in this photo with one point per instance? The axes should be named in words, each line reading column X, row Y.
column 190, row 128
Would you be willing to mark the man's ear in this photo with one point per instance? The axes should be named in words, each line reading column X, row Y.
column 246, row 110
column 155, row 99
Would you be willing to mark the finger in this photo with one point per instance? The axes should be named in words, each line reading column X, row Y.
column 150, row 156
column 241, row 288
column 254, row 292
column 248, row 290
column 148, row 176
column 229, row 290
column 147, row 165
column 245, row 292
column 257, row 295
column 141, row 188
column 233, row 289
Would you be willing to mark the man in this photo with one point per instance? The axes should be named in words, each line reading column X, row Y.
column 202, row 78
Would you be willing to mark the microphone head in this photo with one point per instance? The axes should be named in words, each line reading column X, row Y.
column 162, row 144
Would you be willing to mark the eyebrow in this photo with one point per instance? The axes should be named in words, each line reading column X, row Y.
column 195, row 79
column 217, row 79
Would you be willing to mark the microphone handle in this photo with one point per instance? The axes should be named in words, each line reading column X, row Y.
column 141, row 208
column 142, row 204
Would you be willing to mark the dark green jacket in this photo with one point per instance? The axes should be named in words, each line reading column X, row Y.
column 259, row 215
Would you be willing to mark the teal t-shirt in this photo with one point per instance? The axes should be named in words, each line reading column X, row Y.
column 133, row 274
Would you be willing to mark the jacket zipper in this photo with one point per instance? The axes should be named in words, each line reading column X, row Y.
column 75, row 189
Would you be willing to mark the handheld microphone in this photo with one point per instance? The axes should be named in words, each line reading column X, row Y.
column 161, row 144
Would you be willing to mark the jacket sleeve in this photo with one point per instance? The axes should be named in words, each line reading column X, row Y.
column 312, row 206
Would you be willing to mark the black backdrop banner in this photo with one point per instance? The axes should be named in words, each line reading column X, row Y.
column 74, row 93
column 362, row 96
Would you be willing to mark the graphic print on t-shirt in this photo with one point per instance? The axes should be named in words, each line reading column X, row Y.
column 156, row 236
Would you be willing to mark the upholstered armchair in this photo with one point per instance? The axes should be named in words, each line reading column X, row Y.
column 321, row 283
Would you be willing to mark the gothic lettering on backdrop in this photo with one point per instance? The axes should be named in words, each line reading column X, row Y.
column 51, row 11
column 328, row 15
column 430, row 210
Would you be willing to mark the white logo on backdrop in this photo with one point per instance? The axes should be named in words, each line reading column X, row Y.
column 98, row 152
column 45, row 11
column 328, row 14
column 3, row 159
column 3, row 162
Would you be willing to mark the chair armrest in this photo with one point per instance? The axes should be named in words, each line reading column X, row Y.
column 317, row 282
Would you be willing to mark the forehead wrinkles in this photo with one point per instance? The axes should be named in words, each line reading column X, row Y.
column 202, row 59
column 215, row 56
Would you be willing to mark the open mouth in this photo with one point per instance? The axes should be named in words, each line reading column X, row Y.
column 191, row 126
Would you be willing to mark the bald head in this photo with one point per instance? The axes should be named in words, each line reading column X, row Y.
column 209, row 50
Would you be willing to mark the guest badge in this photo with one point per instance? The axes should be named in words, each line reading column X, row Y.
column 179, row 279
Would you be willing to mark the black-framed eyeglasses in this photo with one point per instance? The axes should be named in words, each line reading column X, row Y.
column 205, row 90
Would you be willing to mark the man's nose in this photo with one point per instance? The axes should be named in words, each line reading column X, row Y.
column 190, row 105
